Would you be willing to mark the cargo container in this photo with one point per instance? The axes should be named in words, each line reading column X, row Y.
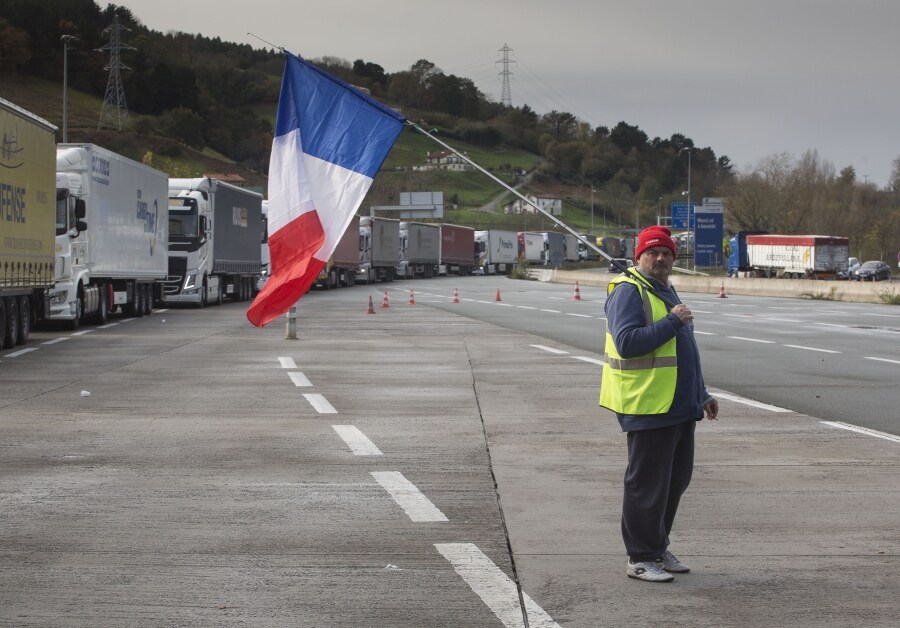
column 379, row 249
column 420, row 250
column 457, row 249
column 27, row 214
column 531, row 247
column 497, row 251
column 789, row 256
column 342, row 266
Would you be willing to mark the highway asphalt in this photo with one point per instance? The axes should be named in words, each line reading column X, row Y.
column 411, row 467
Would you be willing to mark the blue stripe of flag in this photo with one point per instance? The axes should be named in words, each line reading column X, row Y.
column 338, row 123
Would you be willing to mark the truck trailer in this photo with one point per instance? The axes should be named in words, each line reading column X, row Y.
column 497, row 251
column 27, row 211
column 531, row 247
column 342, row 266
column 788, row 256
column 379, row 249
column 215, row 230
column 111, row 235
column 457, row 249
column 420, row 250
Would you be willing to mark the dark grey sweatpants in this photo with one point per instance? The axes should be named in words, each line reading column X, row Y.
column 660, row 463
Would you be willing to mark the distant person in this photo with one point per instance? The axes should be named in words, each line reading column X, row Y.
column 653, row 382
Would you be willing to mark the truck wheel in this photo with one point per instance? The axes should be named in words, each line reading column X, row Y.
column 220, row 294
column 11, row 331
column 139, row 299
column 148, row 299
column 24, row 320
column 204, row 287
column 73, row 324
column 103, row 306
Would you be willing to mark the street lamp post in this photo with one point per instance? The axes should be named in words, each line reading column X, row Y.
column 592, row 209
column 65, row 40
column 689, row 241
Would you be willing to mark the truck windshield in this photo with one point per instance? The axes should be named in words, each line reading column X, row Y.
column 183, row 222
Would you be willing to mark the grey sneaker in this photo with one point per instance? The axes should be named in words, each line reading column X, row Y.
column 649, row 571
column 669, row 563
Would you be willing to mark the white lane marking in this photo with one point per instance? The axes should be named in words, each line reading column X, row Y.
column 107, row 326
column 782, row 320
column 504, row 304
column 299, row 379
column 320, row 403
column 417, row 507
column 54, row 341
column 165, row 309
column 812, row 349
column 579, row 315
column 287, row 363
column 705, row 333
column 830, row 325
column 551, row 311
column 493, row 586
column 82, row 332
column 18, row 353
column 358, row 442
column 587, row 359
column 526, row 307
column 485, row 302
column 738, row 315
column 862, row 430
column 749, row 402
column 767, row 342
column 558, row 298
column 126, row 320
column 882, row 360
column 550, row 349
column 704, row 312
column 883, row 315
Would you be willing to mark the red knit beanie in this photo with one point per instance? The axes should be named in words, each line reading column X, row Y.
column 656, row 235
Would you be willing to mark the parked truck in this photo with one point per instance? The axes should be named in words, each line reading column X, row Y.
column 379, row 249
column 457, row 249
column 342, row 266
column 497, row 251
column 531, row 247
column 111, row 235
column 801, row 256
column 420, row 250
column 572, row 247
column 214, row 241
column 27, row 211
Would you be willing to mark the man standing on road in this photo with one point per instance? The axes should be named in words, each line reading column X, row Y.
column 652, row 381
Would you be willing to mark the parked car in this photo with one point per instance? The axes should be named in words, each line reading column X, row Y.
column 623, row 263
column 852, row 266
column 873, row 270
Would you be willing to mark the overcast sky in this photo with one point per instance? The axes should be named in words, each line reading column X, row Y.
column 748, row 78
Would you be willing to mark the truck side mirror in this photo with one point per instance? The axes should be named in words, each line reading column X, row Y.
column 80, row 226
column 203, row 227
column 80, row 210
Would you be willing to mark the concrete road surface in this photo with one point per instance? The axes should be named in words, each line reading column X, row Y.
column 407, row 468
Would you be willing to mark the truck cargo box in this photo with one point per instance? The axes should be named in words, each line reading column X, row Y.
column 457, row 245
column 237, row 229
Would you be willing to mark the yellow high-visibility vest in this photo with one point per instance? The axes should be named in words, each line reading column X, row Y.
column 645, row 384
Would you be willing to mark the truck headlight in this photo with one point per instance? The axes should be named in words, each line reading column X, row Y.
column 191, row 281
column 59, row 298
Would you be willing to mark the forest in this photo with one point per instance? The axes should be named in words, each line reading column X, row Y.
column 199, row 91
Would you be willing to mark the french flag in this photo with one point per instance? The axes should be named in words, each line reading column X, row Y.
column 330, row 141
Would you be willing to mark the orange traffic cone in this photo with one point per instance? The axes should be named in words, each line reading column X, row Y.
column 385, row 302
column 371, row 309
column 412, row 298
column 497, row 298
column 455, row 295
column 722, row 291
column 577, row 295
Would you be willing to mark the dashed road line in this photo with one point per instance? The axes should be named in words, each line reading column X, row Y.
column 20, row 352
column 55, row 340
column 882, row 360
column 584, row 358
column 493, row 586
column 550, row 349
column 705, row 333
column 718, row 394
column 299, row 379
column 579, row 315
column 82, row 332
column 108, row 325
column 358, row 442
column 862, row 430
column 767, row 342
column 417, row 507
column 551, row 311
column 287, row 363
column 812, row 349
column 319, row 403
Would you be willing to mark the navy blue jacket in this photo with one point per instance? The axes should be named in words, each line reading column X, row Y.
column 625, row 321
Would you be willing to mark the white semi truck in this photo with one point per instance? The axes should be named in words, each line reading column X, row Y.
column 379, row 249
column 497, row 251
column 215, row 230
column 111, row 235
